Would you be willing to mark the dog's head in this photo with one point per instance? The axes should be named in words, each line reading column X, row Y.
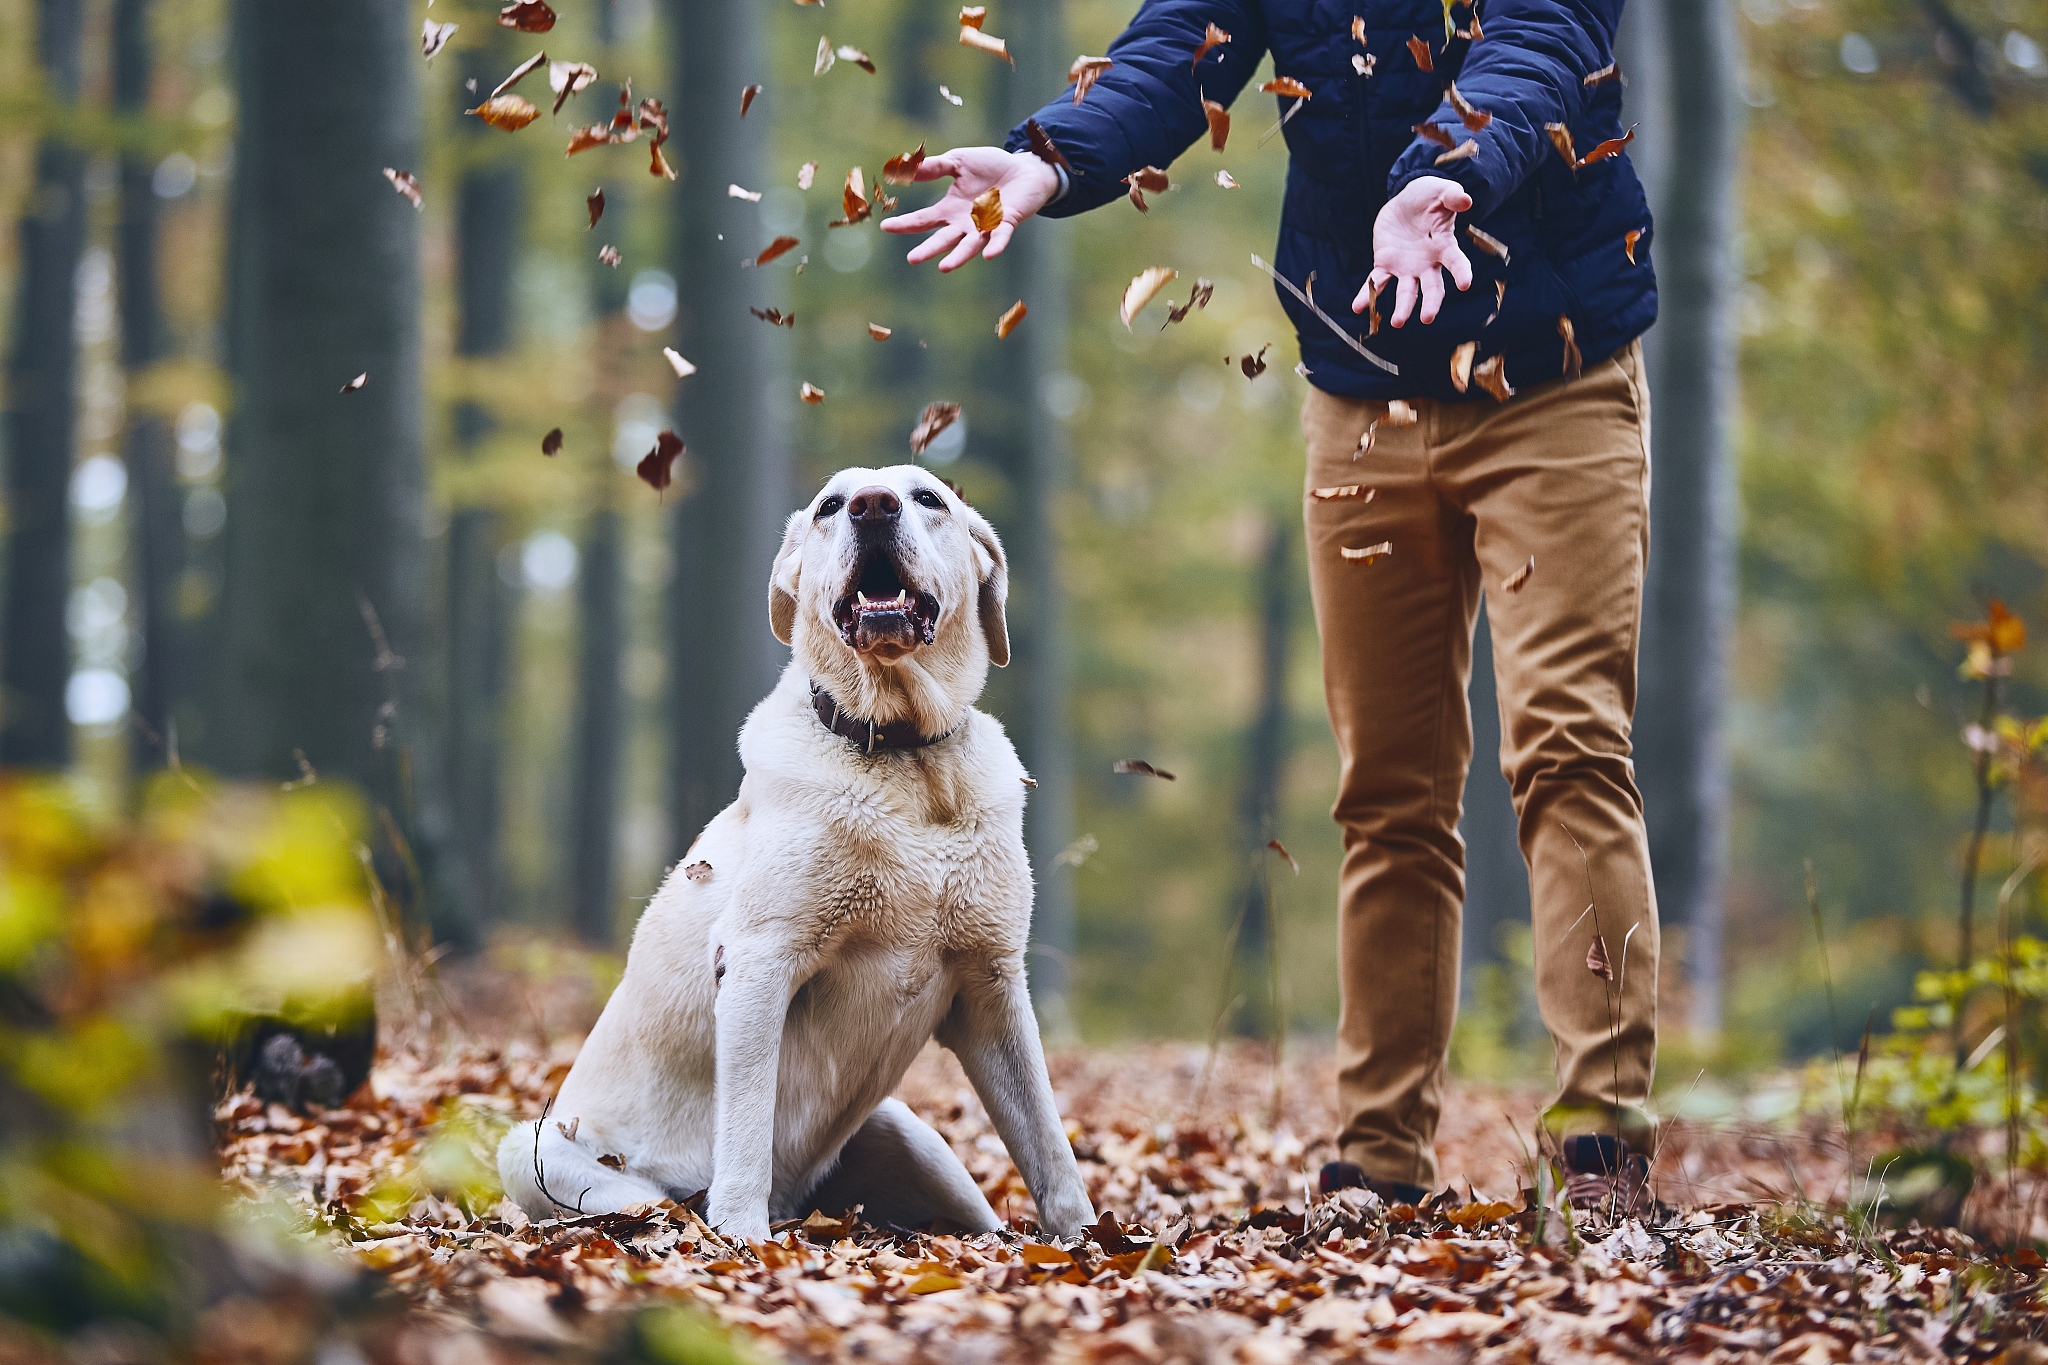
column 890, row 589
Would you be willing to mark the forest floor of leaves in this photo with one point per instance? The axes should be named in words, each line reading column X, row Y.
column 1220, row 1250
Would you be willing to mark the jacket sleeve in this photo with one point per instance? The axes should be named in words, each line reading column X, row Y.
column 1527, row 70
column 1147, row 108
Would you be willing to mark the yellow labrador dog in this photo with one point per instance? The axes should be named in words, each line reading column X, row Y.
column 867, row 891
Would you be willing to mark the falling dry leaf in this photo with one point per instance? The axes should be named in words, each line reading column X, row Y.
column 1609, row 72
column 1287, row 88
column 805, row 174
column 1573, row 363
column 1281, row 849
column 856, row 56
column 1007, row 323
column 1429, row 132
column 1474, row 118
column 987, row 210
column 1146, row 178
column 509, row 112
column 1486, row 241
column 1214, row 38
column 902, row 170
column 995, row 47
column 1491, row 375
column 853, row 198
column 609, row 254
column 774, row 317
column 1363, row 63
column 1254, row 365
column 1520, row 577
column 551, row 444
column 405, row 184
column 1473, row 33
column 1561, row 138
column 1085, row 72
column 1611, row 147
column 935, row 418
column 1219, row 123
column 825, row 57
column 950, row 98
column 519, row 73
column 683, row 368
column 1419, row 49
column 810, row 392
column 1369, row 554
column 1226, row 180
column 1198, row 297
column 973, row 16
column 698, row 872
column 1461, row 365
column 528, row 16
column 356, row 383
column 1464, row 151
column 739, row 192
column 1139, row 765
column 569, row 78
column 657, row 467
column 583, row 139
column 1349, row 490
column 595, row 203
column 1043, row 147
column 434, row 37
column 1372, row 314
column 781, row 246
column 1358, row 30
column 1141, row 291
column 747, row 98
column 1596, row 959
column 879, row 332
column 1628, row 243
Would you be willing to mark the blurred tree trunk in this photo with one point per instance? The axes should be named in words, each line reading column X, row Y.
column 734, row 486
column 41, row 421
column 323, row 620
column 481, row 607
column 600, row 712
column 1259, row 800
column 1689, row 601
column 1037, row 465
column 156, row 532
column 1496, row 878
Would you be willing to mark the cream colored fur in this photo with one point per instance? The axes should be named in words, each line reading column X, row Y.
column 854, row 907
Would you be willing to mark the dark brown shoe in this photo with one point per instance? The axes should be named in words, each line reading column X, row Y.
column 1603, row 1175
column 1342, row 1175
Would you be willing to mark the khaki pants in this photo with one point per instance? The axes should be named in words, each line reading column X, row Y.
column 1466, row 495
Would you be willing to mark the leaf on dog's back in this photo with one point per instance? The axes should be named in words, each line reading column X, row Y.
column 1139, row 765
column 613, row 1160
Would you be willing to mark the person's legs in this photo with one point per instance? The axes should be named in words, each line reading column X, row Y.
column 1561, row 474
column 1397, row 642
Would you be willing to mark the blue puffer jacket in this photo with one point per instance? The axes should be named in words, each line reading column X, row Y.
column 1352, row 144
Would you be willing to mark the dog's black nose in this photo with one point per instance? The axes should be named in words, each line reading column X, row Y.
column 873, row 506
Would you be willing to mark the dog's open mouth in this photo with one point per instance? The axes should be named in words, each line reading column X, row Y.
column 880, row 611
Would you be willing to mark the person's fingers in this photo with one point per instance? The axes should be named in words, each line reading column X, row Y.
column 936, row 244
column 1460, row 267
column 1432, row 294
column 937, row 167
column 1404, row 300
column 917, row 220
column 962, row 253
column 1373, row 284
column 997, row 240
column 1455, row 199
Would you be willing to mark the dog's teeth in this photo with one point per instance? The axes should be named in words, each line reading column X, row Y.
column 862, row 596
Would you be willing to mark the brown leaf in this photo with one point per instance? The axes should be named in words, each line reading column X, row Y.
column 1138, row 765
column 698, row 872
column 853, row 198
column 1500, row 296
column 1085, row 72
column 1281, row 849
column 356, row 383
column 1429, row 132
column 805, row 174
column 528, row 16
column 1363, row 63
column 509, row 112
column 1372, row 314
column 747, row 98
column 405, row 184
column 987, row 210
column 434, row 37
column 1487, row 242
column 1358, row 30
column 657, row 467
column 810, row 393
column 683, row 368
column 1043, row 147
column 1492, row 376
column 657, row 162
column 1401, row 414
column 1474, row 118
column 1007, row 323
column 781, row 246
column 519, row 73
column 857, row 57
column 1035, row 1253
column 879, row 332
column 1596, row 959
column 1349, row 490
column 1369, row 554
column 935, row 1282
column 1287, row 88
column 995, row 47
column 595, row 203
column 825, row 58
column 1561, row 138
column 774, row 317
column 1609, row 72
column 551, row 444
column 973, row 16
column 1219, row 123
column 613, row 1160
column 1519, row 579
column 609, row 254
column 569, row 78
column 1146, row 178
column 1418, row 48
column 1473, row 33
column 1573, row 364
column 1461, row 365
column 1464, row 151
column 1141, row 291
column 1628, row 243
column 935, row 418
column 1254, row 365
column 1212, row 39
column 1611, row 147
column 1226, row 180
column 583, row 139
column 1198, row 297
column 902, row 170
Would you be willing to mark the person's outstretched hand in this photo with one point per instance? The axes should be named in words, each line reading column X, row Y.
column 1415, row 235
column 1027, row 185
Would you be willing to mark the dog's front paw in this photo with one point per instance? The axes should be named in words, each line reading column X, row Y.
column 738, row 1219
column 1067, row 1215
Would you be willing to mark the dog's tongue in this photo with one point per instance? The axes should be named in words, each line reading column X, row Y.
column 887, row 622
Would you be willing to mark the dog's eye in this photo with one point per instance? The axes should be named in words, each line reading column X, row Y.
column 927, row 498
column 829, row 507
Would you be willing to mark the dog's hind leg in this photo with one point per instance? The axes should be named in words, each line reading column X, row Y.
column 565, row 1181
column 902, row 1173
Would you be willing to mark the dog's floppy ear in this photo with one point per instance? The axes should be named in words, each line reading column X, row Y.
column 993, row 571
column 782, row 579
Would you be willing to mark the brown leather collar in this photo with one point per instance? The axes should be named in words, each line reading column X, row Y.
column 865, row 735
